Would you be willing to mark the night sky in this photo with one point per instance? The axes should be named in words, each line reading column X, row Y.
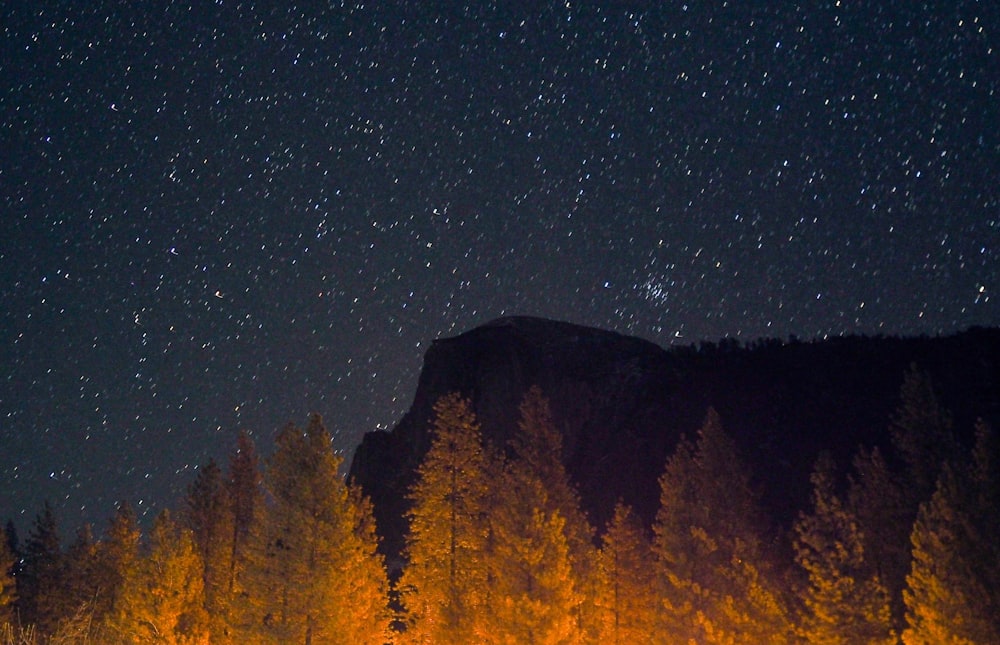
column 223, row 216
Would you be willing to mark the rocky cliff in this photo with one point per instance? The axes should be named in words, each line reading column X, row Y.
column 622, row 403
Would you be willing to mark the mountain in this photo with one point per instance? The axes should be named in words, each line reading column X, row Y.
column 622, row 403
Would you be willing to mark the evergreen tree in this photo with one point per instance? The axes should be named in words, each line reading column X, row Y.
column 627, row 601
column 952, row 594
column 243, row 484
column 8, row 588
column 921, row 430
column 314, row 557
column 40, row 600
column 444, row 586
column 78, row 581
column 161, row 599
column 882, row 507
column 885, row 500
column 534, row 599
column 115, row 557
column 208, row 515
column 715, row 578
column 844, row 602
column 537, row 459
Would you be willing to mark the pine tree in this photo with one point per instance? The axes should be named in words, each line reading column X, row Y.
column 243, row 484
column 921, row 430
column 951, row 594
column 161, row 599
column 78, row 581
column 627, row 601
column 115, row 558
column 208, row 515
column 715, row 578
column 537, row 455
column 314, row 556
column 444, row 585
column 8, row 587
column 877, row 499
column 39, row 585
column 844, row 602
column 534, row 599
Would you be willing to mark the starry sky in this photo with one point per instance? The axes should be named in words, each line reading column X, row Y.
column 220, row 216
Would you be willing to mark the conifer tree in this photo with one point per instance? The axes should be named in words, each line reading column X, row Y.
column 951, row 594
column 40, row 581
column 161, row 599
column 243, row 485
column 627, row 599
column 882, row 508
column 715, row 579
column 536, row 452
column 884, row 500
column 115, row 558
column 534, row 600
column 314, row 556
column 8, row 588
column 844, row 601
column 921, row 430
column 444, row 585
column 78, row 581
column 208, row 515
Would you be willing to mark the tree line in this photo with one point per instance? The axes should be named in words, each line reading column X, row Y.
column 902, row 547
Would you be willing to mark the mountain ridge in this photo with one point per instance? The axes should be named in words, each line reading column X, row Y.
column 622, row 403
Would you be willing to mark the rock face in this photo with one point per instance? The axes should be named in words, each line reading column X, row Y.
column 622, row 403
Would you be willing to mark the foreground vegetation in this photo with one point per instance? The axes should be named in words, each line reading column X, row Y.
column 903, row 547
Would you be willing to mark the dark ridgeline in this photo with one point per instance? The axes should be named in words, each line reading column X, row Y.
column 622, row 403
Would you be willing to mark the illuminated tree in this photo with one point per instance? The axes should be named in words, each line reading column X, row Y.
column 952, row 594
column 8, row 588
column 161, row 599
column 715, row 579
column 627, row 603
column 885, row 501
column 115, row 559
column 315, row 575
column 208, row 514
column 444, row 586
column 537, row 459
column 534, row 600
column 844, row 602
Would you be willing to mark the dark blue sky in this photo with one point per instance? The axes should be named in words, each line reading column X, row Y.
column 218, row 216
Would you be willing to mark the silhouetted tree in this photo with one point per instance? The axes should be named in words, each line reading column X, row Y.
column 40, row 594
column 208, row 515
column 243, row 484
column 921, row 430
column 884, row 513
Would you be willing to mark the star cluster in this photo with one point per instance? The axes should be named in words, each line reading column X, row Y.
column 222, row 215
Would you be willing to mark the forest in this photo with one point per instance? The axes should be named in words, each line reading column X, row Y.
column 900, row 545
